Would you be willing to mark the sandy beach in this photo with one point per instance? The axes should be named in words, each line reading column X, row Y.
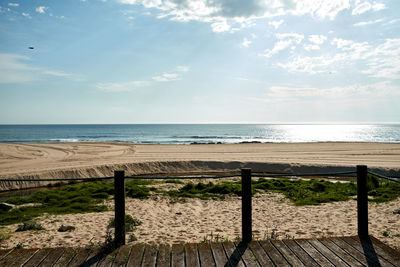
column 197, row 220
column 194, row 220
column 66, row 160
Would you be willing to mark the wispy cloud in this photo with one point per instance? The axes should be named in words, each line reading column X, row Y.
column 246, row 42
column 41, row 9
column 285, row 41
column 13, row 4
column 26, row 15
column 276, row 23
column 367, row 6
column 364, row 23
column 134, row 85
column 15, row 68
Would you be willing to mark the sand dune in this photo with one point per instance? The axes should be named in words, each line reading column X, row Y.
column 63, row 160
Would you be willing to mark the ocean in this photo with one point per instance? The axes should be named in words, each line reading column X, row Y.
column 199, row 133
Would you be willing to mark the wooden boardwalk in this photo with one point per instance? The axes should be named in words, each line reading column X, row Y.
column 335, row 251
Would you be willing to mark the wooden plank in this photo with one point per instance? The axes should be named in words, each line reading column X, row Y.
column 53, row 256
column 367, row 250
column 12, row 257
column 80, row 257
column 318, row 257
column 350, row 250
column 108, row 260
column 192, row 257
column 248, row 256
column 331, row 256
column 287, row 253
column 123, row 256
column 392, row 251
column 380, row 251
column 4, row 252
column 38, row 257
column 260, row 254
column 234, row 256
column 95, row 255
column 205, row 254
column 25, row 256
column 65, row 258
column 150, row 256
column 135, row 259
column 274, row 254
column 163, row 259
column 219, row 254
column 340, row 252
column 301, row 254
column 177, row 256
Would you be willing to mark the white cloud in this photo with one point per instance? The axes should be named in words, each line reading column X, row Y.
column 223, row 14
column 13, row 4
column 276, row 23
column 310, row 47
column 317, row 39
column 172, row 76
column 121, row 87
column 26, row 15
column 364, row 23
column 246, row 42
column 367, row 6
column 41, row 9
column 285, row 41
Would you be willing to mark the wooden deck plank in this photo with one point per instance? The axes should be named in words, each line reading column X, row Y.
column 65, row 258
column 340, row 252
column 205, row 254
column 368, row 251
column 123, row 256
column 135, row 258
column 380, row 251
column 192, row 257
column 219, row 254
column 260, row 254
column 95, row 255
column 12, row 257
column 274, row 254
column 4, row 252
column 177, row 256
column 24, row 257
column 330, row 255
column 392, row 251
column 38, row 257
column 301, row 254
column 234, row 257
column 289, row 255
column 163, row 259
column 350, row 250
column 150, row 256
column 80, row 257
column 248, row 256
column 52, row 258
column 108, row 260
column 318, row 257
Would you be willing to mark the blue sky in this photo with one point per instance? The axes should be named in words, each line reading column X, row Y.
column 197, row 61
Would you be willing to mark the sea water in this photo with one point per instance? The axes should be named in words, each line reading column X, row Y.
column 200, row 133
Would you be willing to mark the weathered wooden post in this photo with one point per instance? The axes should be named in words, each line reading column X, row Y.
column 119, row 200
column 246, row 206
column 362, row 201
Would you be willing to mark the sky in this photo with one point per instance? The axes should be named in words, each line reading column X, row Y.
column 199, row 61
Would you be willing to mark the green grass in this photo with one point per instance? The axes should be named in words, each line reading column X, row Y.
column 29, row 225
column 76, row 198
column 130, row 223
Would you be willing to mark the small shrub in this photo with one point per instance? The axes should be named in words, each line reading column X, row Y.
column 130, row 223
column 29, row 225
column 132, row 238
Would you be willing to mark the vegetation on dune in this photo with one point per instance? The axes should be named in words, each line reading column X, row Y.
column 88, row 197
column 77, row 198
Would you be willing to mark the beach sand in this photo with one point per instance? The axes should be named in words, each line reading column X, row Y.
column 66, row 160
column 195, row 220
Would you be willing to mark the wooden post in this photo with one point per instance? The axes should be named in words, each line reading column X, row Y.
column 246, row 206
column 119, row 200
column 362, row 201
